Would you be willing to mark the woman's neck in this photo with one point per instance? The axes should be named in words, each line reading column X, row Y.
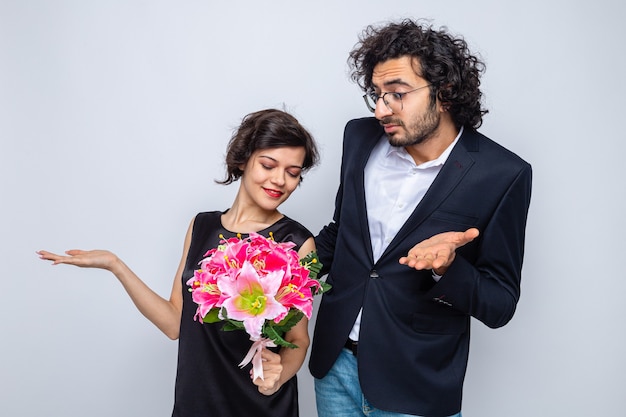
column 240, row 219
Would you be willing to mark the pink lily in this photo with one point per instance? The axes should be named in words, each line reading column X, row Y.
column 251, row 299
column 227, row 256
column 267, row 255
column 296, row 291
column 204, row 292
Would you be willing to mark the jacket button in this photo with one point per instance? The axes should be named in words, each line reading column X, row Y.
column 374, row 274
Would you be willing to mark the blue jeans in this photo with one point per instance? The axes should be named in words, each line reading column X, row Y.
column 339, row 393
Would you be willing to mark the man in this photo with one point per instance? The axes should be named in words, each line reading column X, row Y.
column 392, row 336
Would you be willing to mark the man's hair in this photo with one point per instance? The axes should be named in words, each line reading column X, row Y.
column 266, row 129
column 446, row 64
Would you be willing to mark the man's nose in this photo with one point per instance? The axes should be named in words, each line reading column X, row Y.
column 382, row 110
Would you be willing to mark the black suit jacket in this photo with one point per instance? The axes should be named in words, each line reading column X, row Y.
column 414, row 336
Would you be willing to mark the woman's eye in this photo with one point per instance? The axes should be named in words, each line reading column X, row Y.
column 294, row 174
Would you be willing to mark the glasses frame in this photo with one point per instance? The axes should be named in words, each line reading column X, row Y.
column 397, row 95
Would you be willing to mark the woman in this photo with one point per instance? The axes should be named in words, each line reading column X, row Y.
column 268, row 153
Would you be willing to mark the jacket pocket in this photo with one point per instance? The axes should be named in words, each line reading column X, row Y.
column 438, row 324
column 455, row 218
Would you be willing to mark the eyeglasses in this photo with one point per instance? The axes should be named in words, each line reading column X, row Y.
column 392, row 100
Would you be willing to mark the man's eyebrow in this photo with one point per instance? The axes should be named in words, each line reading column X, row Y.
column 395, row 81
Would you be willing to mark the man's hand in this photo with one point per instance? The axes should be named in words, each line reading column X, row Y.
column 438, row 252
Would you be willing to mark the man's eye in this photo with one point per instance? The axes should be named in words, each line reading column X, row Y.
column 397, row 96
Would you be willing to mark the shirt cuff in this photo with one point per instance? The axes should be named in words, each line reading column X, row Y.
column 436, row 276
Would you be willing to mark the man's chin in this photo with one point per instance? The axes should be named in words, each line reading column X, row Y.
column 402, row 141
column 396, row 140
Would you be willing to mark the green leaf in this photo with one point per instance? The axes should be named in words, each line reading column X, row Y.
column 291, row 319
column 312, row 263
column 276, row 337
column 324, row 286
column 230, row 325
column 212, row 316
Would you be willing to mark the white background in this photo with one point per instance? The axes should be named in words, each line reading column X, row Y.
column 114, row 117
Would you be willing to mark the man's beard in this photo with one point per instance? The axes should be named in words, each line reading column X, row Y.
column 419, row 131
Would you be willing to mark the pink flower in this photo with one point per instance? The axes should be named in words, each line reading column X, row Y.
column 229, row 256
column 267, row 255
column 205, row 292
column 255, row 283
column 296, row 291
column 251, row 298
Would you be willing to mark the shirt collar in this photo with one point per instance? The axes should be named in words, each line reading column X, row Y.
column 400, row 152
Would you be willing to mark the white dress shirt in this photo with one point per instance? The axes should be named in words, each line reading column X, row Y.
column 394, row 186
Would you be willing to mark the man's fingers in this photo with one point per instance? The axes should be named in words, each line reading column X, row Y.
column 439, row 250
column 469, row 235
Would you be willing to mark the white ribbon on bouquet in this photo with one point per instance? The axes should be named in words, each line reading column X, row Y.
column 254, row 356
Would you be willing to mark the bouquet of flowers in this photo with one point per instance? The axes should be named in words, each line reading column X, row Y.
column 258, row 285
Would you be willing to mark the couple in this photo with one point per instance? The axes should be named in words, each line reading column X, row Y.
column 403, row 253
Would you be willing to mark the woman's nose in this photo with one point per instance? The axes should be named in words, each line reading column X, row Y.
column 278, row 178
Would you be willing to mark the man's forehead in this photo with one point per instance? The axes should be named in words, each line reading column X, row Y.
column 402, row 71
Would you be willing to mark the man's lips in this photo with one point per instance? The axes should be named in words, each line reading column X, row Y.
column 273, row 193
column 389, row 125
column 389, row 128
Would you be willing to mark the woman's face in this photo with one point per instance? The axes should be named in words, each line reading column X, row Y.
column 271, row 175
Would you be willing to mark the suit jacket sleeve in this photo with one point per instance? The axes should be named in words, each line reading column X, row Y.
column 484, row 282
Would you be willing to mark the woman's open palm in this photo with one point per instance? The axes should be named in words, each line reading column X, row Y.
column 102, row 259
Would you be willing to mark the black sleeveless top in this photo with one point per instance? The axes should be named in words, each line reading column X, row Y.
column 209, row 381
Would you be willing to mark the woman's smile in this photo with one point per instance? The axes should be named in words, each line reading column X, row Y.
column 273, row 193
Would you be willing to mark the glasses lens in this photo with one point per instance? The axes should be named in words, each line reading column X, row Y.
column 393, row 101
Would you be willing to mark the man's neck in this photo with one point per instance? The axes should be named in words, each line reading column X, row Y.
column 435, row 145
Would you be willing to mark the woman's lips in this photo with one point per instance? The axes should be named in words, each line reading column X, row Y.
column 273, row 193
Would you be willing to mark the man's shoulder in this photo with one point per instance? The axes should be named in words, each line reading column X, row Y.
column 474, row 141
column 363, row 123
column 364, row 130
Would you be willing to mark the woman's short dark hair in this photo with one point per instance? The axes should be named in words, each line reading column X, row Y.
column 446, row 64
column 266, row 129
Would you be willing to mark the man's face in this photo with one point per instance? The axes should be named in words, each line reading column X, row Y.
column 413, row 118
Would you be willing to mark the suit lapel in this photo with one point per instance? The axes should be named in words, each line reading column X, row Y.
column 368, row 137
column 454, row 169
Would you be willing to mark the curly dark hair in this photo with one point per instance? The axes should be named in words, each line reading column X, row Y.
column 446, row 63
column 266, row 129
